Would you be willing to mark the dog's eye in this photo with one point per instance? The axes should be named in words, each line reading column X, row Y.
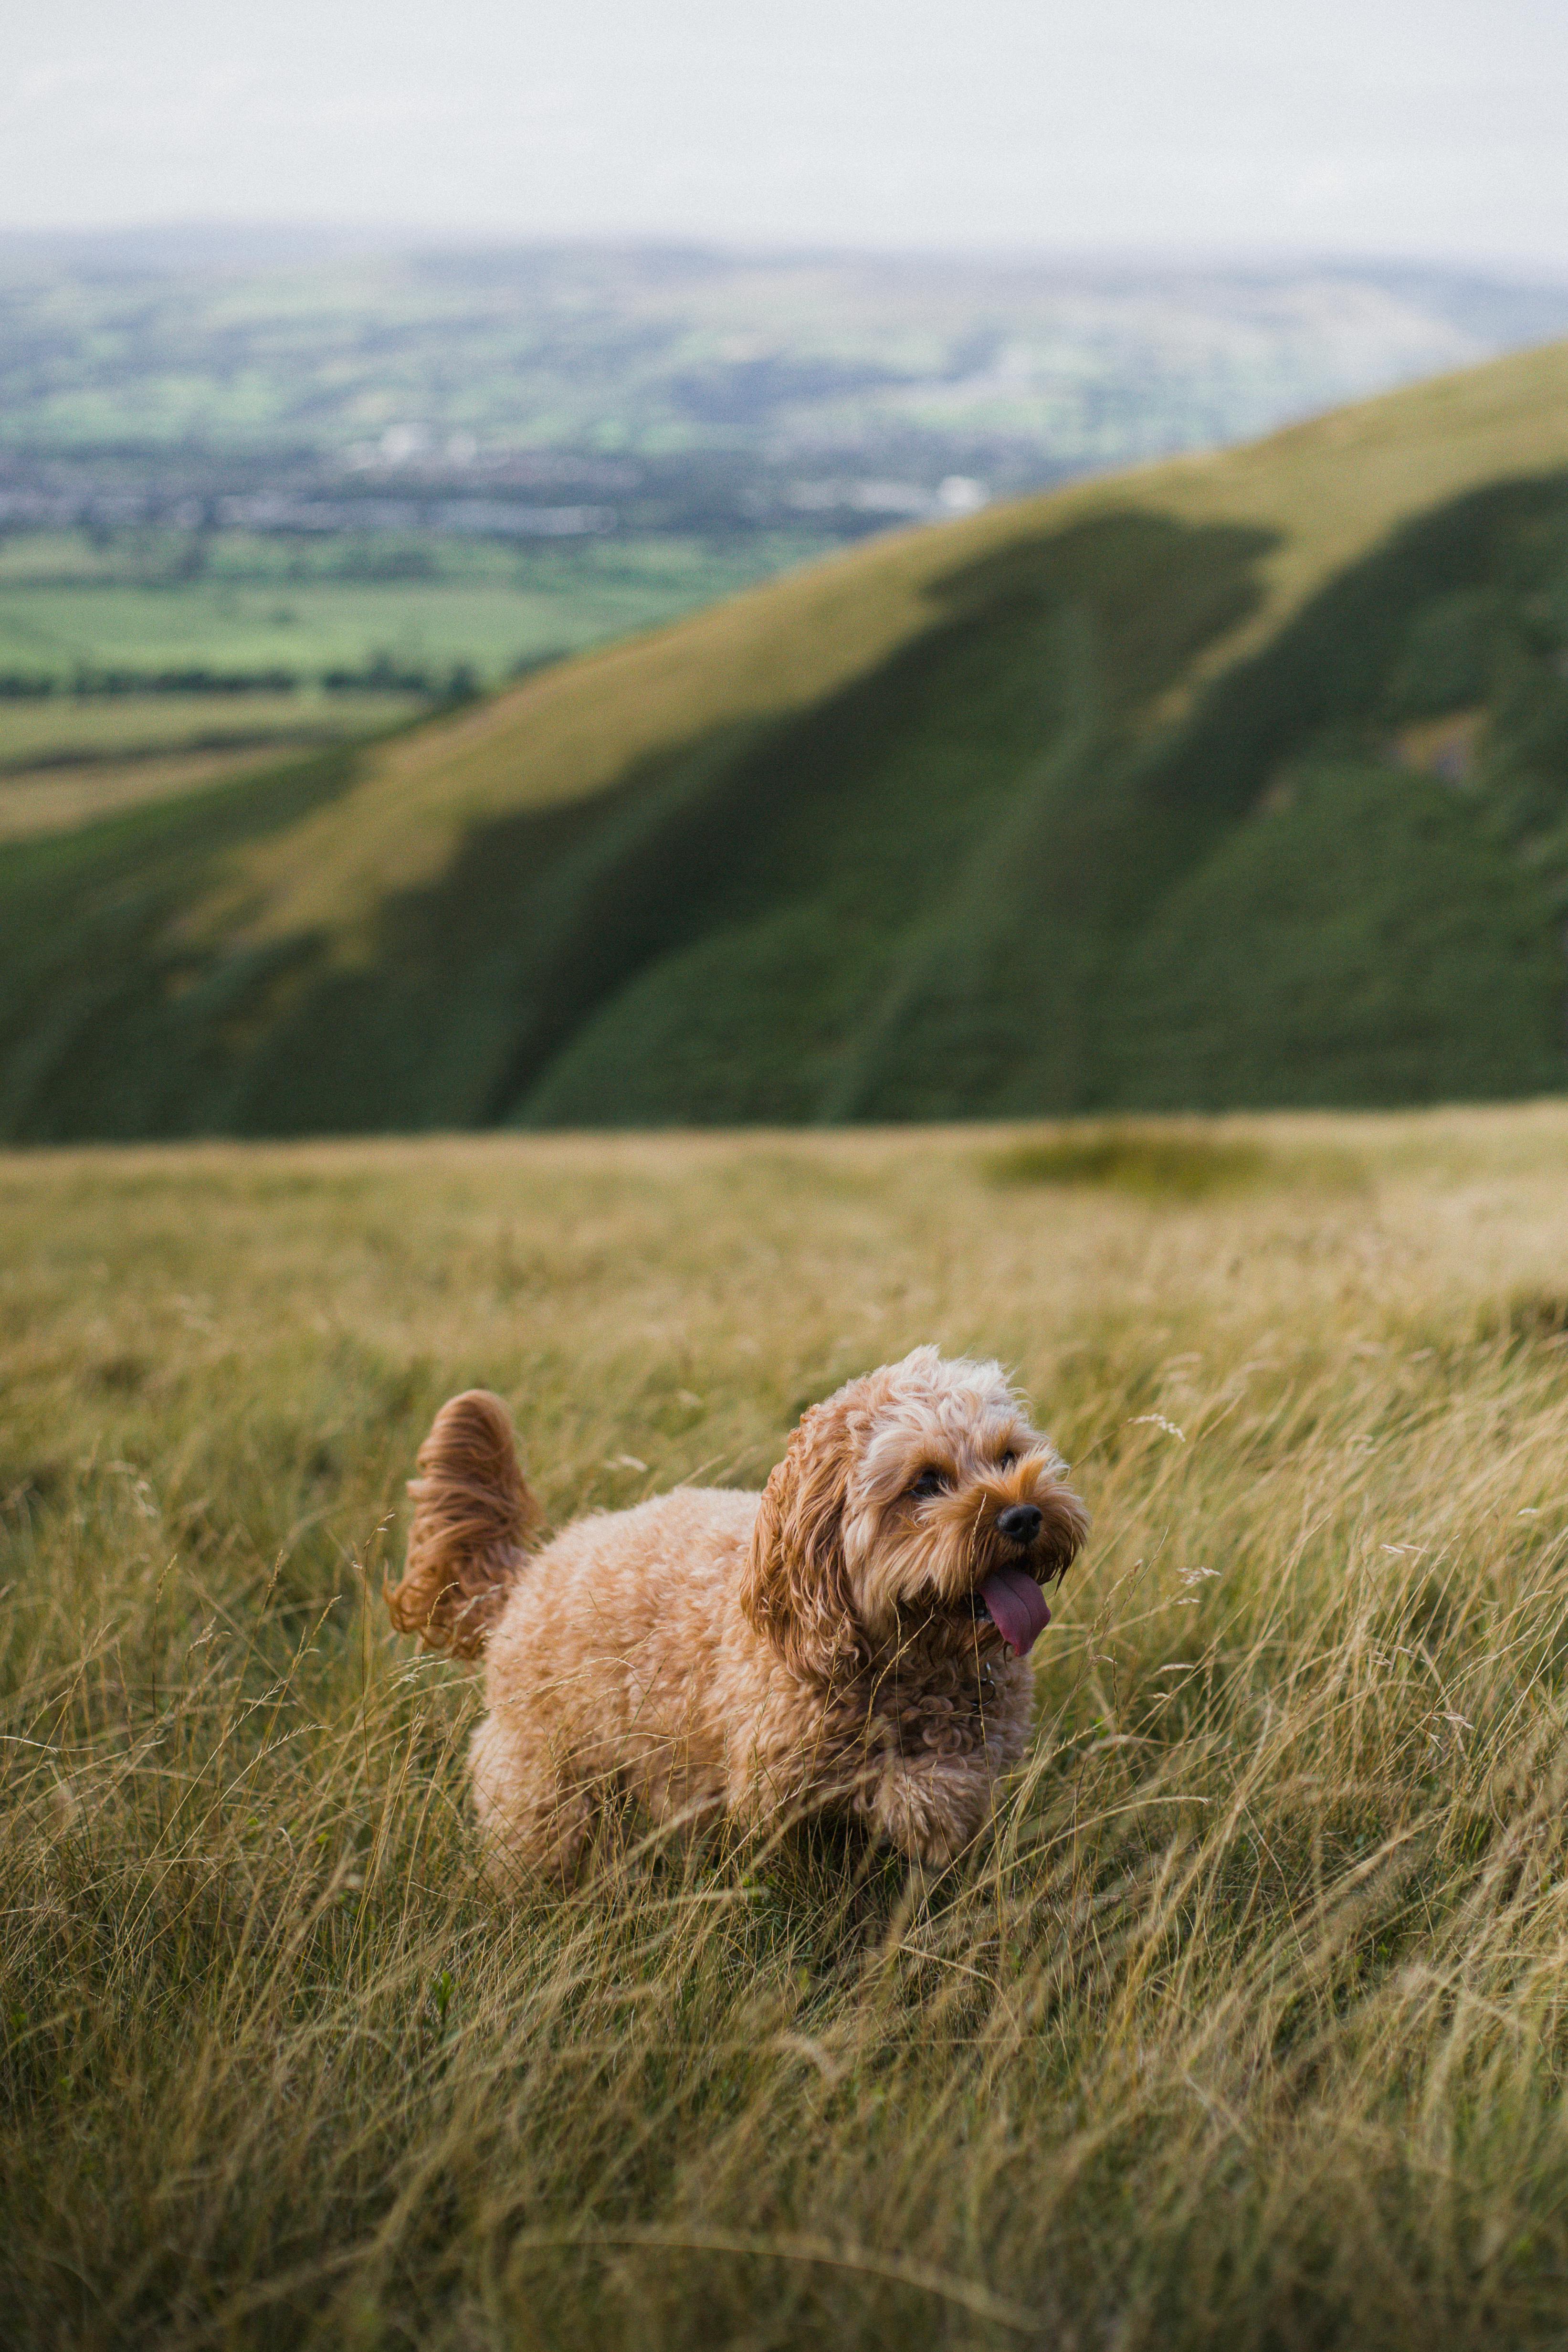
column 1008, row 1461
column 929, row 1483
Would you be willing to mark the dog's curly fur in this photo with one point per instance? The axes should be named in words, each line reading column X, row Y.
column 815, row 1647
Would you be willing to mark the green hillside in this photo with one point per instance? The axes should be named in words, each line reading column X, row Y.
column 1233, row 781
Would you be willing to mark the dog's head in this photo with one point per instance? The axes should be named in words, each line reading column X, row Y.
column 918, row 1497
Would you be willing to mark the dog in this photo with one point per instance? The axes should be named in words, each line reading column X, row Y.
column 851, row 1641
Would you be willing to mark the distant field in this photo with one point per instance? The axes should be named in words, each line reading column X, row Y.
column 72, row 732
column 70, row 607
column 1247, row 2027
column 256, row 604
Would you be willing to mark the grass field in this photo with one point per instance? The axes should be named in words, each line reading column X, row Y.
column 1247, row 2028
column 144, row 602
column 256, row 604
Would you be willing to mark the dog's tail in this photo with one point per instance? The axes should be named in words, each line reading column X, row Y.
column 475, row 1523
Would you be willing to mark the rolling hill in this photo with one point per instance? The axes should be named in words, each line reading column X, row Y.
column 1234, row 780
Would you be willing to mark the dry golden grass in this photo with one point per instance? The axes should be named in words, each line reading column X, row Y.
column 1331, row 489
column 1247, row 2027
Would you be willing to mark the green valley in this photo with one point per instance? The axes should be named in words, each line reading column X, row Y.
column 1239, row 780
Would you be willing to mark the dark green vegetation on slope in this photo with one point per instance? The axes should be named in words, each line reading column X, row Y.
column 982, row 878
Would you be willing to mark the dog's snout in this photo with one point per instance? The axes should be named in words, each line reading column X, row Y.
column 1019, row 1522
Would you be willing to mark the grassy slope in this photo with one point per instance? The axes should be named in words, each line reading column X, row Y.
column 1247, row 2027
column 947, row 825
column 1328, row 490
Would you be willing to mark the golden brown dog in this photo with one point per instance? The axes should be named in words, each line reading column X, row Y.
column 851, row 1640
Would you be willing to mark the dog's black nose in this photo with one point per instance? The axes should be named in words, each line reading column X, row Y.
column 1020, row 1523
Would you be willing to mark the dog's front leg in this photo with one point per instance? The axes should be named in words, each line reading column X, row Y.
column 536, row 1819
column 931, row 1809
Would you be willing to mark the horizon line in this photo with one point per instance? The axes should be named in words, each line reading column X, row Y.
column 392, row 238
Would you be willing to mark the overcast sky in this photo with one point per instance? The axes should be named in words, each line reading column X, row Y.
column 1435, row 128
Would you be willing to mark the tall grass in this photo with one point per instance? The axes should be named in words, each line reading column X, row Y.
column 1247, row 2025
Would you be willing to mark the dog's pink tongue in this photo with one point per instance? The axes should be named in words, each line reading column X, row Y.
column 1017, row 1607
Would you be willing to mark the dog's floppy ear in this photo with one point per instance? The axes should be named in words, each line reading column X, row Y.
column 795, row 1589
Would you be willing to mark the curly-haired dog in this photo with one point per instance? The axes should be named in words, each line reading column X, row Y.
column 852, row 1639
